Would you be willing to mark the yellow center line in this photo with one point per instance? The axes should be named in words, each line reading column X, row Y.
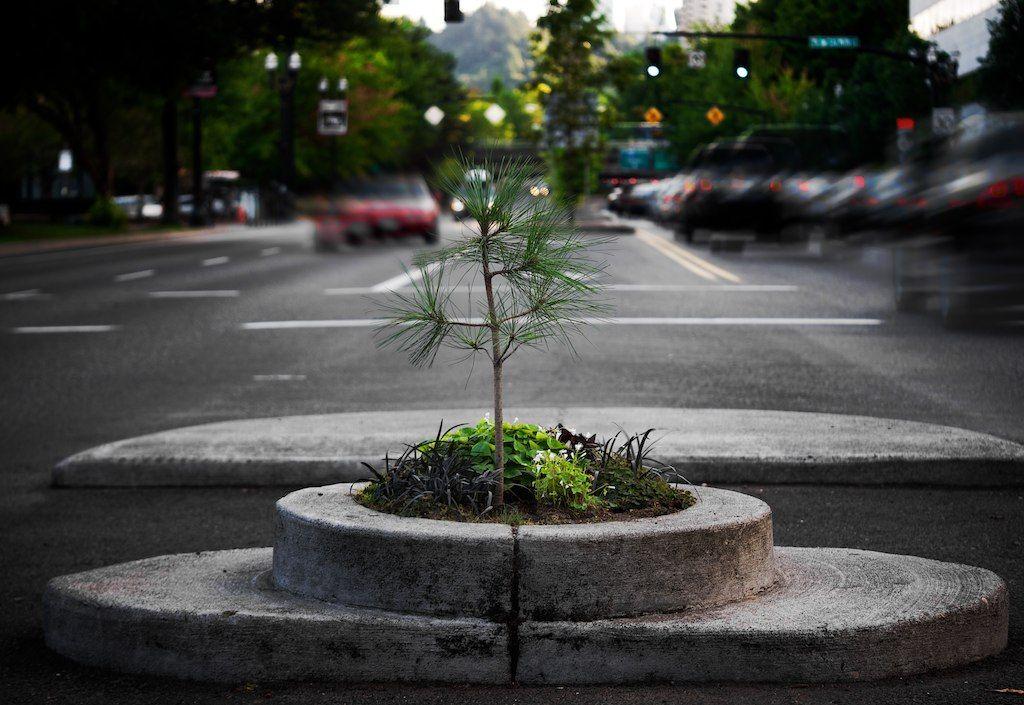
column 658, row 244
column 666, row 247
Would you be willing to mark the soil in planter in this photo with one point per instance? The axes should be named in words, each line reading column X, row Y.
column 517, row 512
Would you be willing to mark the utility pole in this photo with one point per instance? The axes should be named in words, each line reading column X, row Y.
column 197, row 218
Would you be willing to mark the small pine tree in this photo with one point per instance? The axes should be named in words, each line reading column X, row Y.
column 536, row 276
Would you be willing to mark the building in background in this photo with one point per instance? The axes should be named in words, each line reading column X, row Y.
column 956, row 26
column 705, row 13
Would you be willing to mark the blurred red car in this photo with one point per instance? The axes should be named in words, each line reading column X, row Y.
column 385, row 206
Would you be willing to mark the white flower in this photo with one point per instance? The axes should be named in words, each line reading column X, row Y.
column 579, row 446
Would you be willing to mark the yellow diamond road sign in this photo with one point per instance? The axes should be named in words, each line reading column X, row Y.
column 653, row 115
column 714, row 116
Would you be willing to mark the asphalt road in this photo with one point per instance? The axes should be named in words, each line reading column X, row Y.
column 244, row 324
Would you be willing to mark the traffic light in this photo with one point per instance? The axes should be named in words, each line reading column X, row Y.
column 741, row 63
column 452, row 11
column 653, row 56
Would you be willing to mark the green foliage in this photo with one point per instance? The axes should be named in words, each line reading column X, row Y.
column 394, row 76
column 568, row 47
column 522, row 441
column 621, row 486
column 104, row 212
column 530, row 244
column 559, row 480
column 493, row 43
column 1001, row 75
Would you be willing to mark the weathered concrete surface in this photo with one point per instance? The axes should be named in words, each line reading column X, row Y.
column 215, row 617
column 717, row 551
column 707, row 445
column 330, row 547
column 841, row 615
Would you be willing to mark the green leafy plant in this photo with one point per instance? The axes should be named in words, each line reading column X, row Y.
column 105, row 212
column 526, row 244
column 522, row 442
column 560, row 481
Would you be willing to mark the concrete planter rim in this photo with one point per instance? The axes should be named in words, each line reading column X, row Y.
column 662, row 523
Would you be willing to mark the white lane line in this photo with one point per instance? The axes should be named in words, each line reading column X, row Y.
column 196, row 294
column 731, row 321
column 349, row 291
column 65, row 329
column 636, row 321
column 731, row 288
column 270, row 251
column 332, row 323
column 403, row 280
column 214, row 261
column 132, row 276
column 728, row 288
column 24, row 295
column 278, row 378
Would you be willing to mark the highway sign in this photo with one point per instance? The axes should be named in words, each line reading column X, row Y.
column 715, row 115
column 832, row 42
column 332, row 117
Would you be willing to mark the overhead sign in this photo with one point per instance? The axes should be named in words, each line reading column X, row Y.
column 832, row 42
column 696, row 59
column 715, row 115
column 943, row 121
column 653, row 115
column 332, row 117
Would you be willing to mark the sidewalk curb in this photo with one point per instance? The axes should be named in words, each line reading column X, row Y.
column 34, row 247
column 720, row 446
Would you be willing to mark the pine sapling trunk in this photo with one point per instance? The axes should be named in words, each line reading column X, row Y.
column 499, row 428
column 496, row 361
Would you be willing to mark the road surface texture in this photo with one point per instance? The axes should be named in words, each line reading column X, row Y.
column 116, row 341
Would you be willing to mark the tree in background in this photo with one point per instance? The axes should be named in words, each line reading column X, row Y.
column 567, row 46
column 394, row 75
column 1002, row 70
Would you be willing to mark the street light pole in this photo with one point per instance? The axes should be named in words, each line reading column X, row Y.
column 196, row 218
column 285, row 85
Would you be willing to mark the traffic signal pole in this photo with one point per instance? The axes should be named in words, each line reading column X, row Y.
column 937, row 73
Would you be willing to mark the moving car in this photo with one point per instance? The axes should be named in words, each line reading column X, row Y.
column 384, row 206
column 733, row 186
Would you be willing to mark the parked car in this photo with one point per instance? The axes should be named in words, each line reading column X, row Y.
column 140, row 206
column 386, row 206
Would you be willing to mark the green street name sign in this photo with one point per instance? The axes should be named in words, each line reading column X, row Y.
column 828, row 42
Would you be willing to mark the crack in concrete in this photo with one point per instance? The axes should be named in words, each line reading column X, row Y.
column 514, row 618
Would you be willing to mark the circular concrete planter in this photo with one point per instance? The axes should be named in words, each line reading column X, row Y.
column 330, row 547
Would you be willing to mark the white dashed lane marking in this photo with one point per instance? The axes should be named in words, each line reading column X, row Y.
column 270, row 251
column 403, row 280
column 196, row 294
column 132, row 276
column 65, row 329
column 214, row 261
column 279, row 378
column 24, row 295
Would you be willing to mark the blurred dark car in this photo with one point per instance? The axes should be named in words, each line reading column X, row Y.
column 733, row 186
column 384, row 206
column 966, row 253
column 669, row 205
column 632, row 198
